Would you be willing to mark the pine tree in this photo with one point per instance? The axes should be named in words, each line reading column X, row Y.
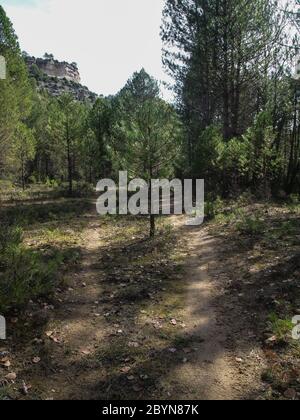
column 23, row 151
column 230, row 60
column 100, row 120
column 148, row 133
column 15, row 90
column 67, row 125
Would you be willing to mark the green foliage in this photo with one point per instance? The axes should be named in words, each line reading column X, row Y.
column 24, row 274
column 141, row 86
column 65, row 128
column 9, row 237
column 295, row 199
column 27, row 273
column 281, row 328
column 149, row 129
column 206, row 153
column 97, row 144
column 51, row 183
column 213, row 207
column 235, row 93
column 147, row 132
column 265, row 163
column 15, row 92
column 23, row 150
column 235, row 156
column 249, row 225
column 36, row 72
column 81, row 189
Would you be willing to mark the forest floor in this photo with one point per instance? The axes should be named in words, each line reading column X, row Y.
column 195, row 313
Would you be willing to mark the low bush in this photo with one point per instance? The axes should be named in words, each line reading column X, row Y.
column 213, row 208
column 281, row 328
column 24, row 274
column 250, row 225
column 295, row 199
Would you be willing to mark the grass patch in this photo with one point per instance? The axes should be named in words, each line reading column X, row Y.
column 24, row 274
column 34, row 247
column 28, row 214
column 250, row 225
column 281, row 328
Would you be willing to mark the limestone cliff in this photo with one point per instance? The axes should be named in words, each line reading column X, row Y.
column 58, row 77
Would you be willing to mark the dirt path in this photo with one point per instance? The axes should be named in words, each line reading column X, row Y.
column 73, row 331
column 218, row 369
column 209, row 375
column 213, row 367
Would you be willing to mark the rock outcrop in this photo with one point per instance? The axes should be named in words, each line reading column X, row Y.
column 58, row 77
column 54, row 68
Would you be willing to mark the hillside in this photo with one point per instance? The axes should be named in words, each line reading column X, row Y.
column 58, row 77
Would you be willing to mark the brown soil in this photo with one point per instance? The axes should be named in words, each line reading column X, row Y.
column 214, row 366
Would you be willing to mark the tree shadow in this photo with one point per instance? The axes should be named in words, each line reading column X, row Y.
column 140, row 287
column 50, row 212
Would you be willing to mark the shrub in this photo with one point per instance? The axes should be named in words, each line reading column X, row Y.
column 245, row 199
column 24, row 274
column 9, row 237
column 281, row 328
column 51, row 183
column 83, row 189
column 213, row 207
column 250, row 225
column 295, row 199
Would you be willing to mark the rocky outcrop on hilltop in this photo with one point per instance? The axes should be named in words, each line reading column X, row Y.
column 55, row 68
column 58, row 77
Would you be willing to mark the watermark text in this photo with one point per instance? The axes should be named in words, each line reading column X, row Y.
column 2, row 68
column 158, row 196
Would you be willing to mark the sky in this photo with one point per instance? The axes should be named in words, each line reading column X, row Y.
column 109, row 39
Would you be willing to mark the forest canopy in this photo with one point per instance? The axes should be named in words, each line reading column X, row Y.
column 235, row 121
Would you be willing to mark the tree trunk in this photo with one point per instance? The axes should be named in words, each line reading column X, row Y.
column 152, row 216
column 152, row 226
column 23, row 176
column 70, row 175
column 226, row 110
column 291, row 164
column 236, row 93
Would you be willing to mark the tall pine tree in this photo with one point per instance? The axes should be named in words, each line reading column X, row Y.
column 15, row 91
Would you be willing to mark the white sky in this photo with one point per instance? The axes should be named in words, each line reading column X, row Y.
column 109, row 39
